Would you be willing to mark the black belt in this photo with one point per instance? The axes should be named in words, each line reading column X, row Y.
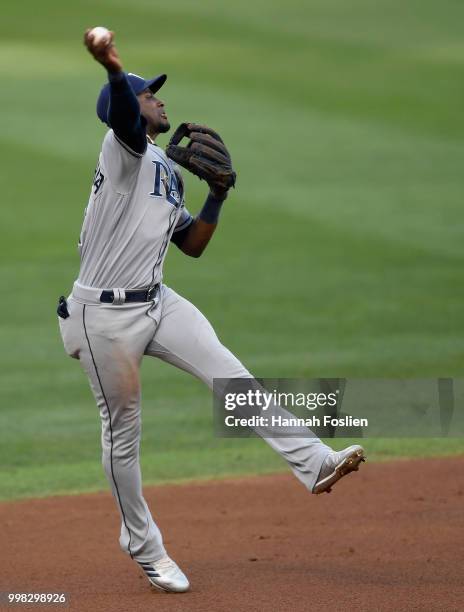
column 132, row 295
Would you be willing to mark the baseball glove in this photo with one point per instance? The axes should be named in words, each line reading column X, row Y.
column 206, row 156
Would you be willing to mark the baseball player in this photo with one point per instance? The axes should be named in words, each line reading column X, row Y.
column 120, row 309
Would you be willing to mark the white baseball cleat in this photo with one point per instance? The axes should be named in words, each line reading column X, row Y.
column 336, row 465
column 166, row 575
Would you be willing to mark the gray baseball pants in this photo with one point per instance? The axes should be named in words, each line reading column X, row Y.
column 110, row 341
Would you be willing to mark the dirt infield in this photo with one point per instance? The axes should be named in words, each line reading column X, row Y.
column 390, row 537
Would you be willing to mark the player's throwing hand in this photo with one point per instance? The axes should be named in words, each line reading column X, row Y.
column 103, row 49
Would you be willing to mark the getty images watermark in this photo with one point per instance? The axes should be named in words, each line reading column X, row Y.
column 339, row 407
column 266, row 402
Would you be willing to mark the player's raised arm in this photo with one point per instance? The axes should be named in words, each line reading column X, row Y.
column 123, row 112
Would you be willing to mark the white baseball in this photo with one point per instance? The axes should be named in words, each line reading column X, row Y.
column 100, row 35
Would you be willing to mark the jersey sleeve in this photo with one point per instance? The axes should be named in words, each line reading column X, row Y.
column 182, row 227
column 120, row 162
column 184, row 221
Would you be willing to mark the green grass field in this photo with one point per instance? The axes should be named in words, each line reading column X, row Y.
column 340, row 253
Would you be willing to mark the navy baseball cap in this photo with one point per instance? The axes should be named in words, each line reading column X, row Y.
column 137, row 83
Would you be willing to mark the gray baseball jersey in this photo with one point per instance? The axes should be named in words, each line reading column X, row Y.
column 135, row 205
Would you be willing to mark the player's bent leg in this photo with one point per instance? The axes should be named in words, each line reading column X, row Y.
column 186, row 339
column 110, row 345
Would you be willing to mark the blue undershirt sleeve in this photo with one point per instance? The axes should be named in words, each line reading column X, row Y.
column 124, row 114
